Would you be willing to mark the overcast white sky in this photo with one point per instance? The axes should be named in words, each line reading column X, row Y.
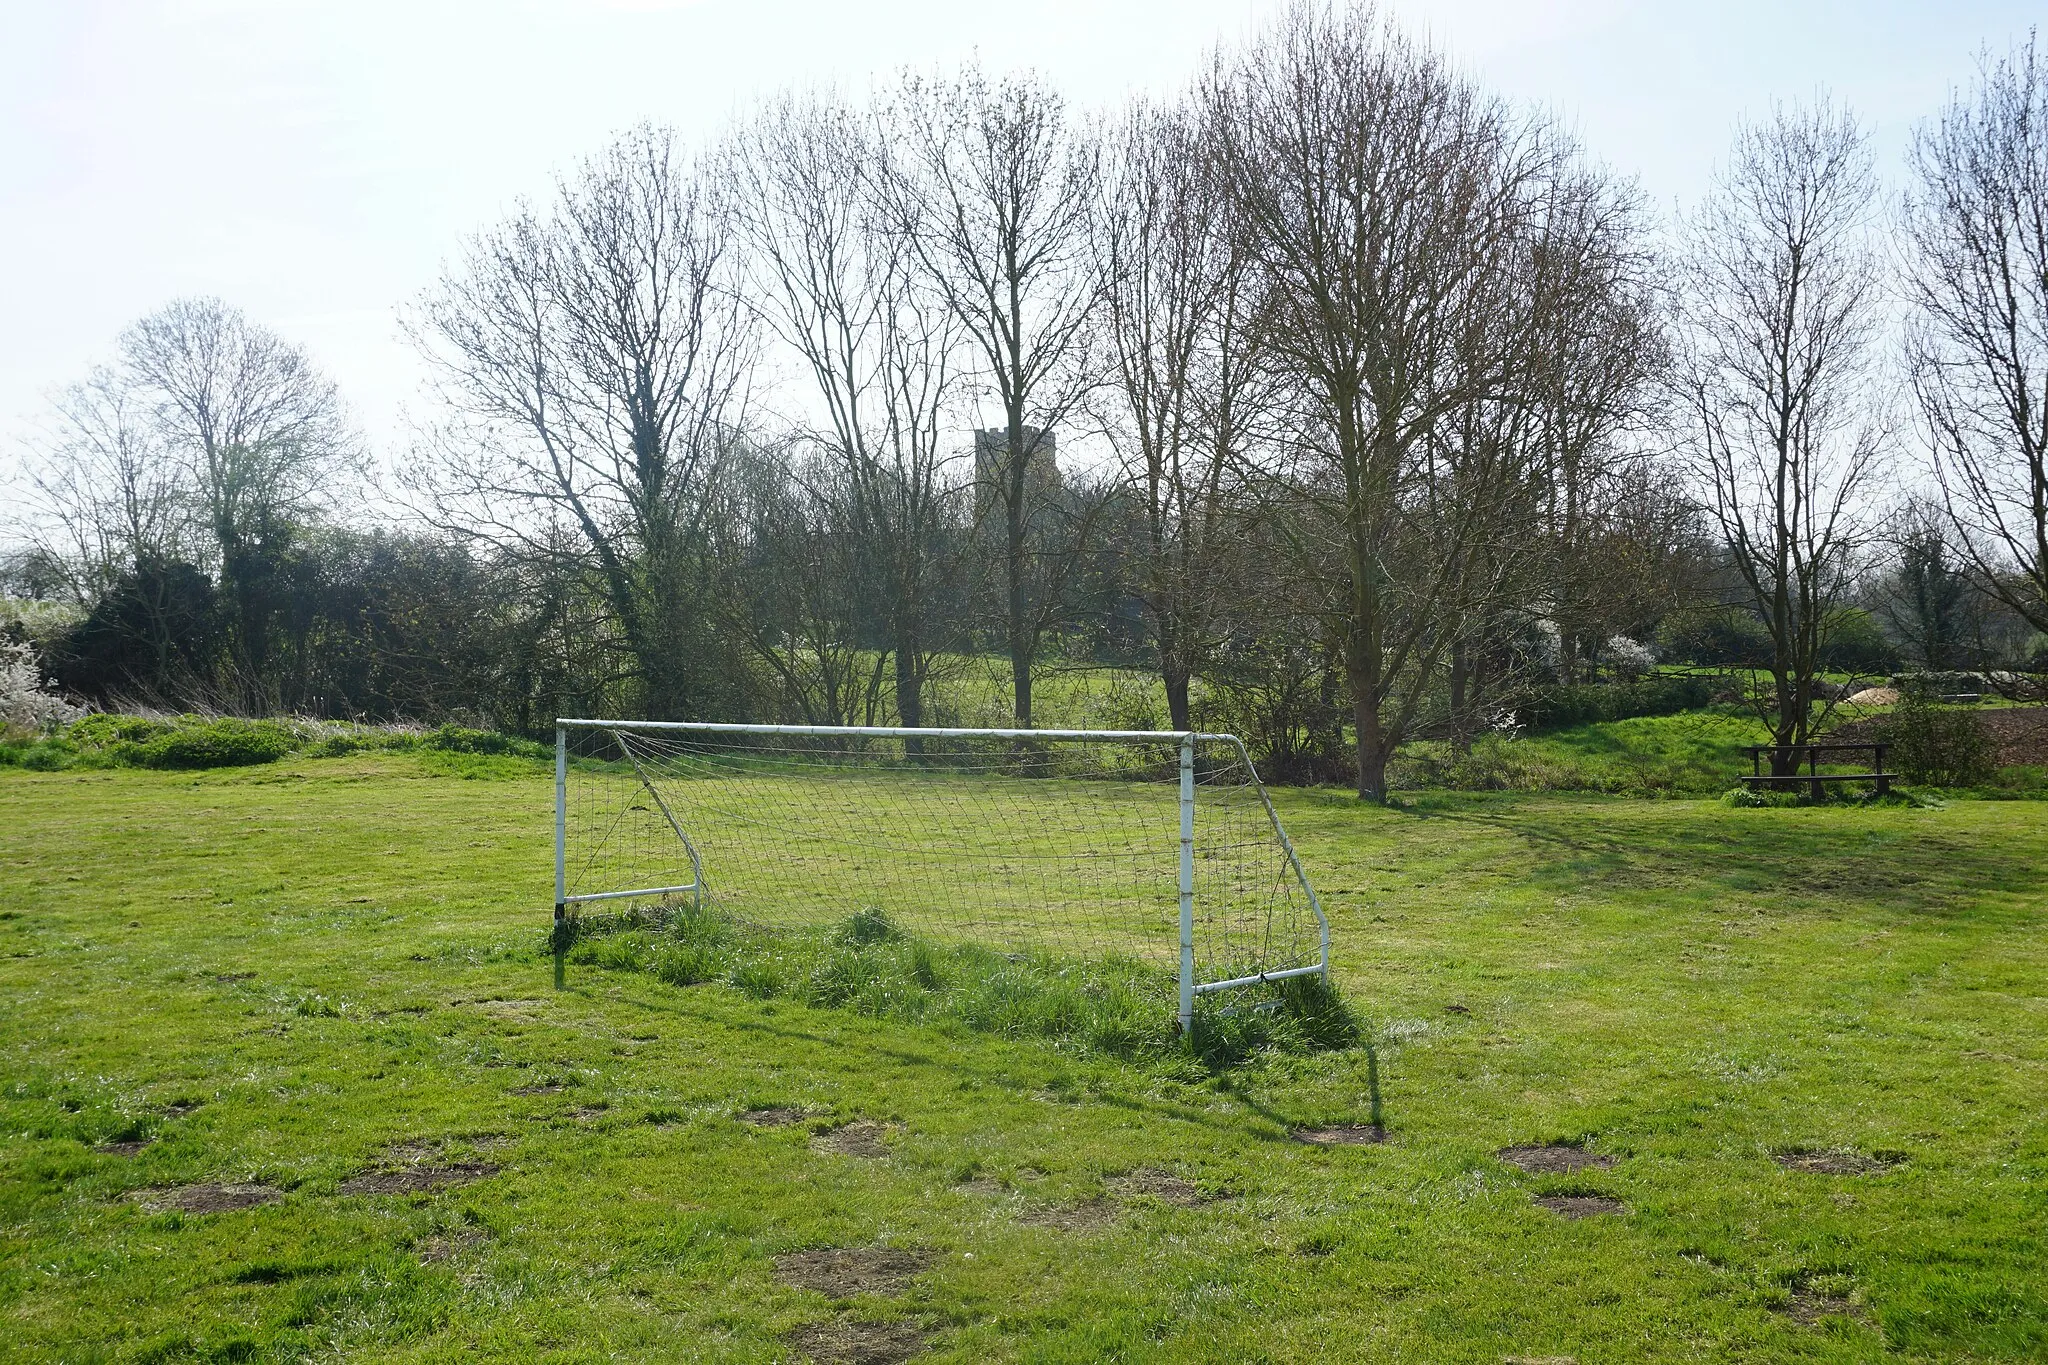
column 314, row 163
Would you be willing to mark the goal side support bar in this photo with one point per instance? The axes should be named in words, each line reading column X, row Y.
column 1189, row 986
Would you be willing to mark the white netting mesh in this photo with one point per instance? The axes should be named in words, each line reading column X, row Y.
column 1064, row 846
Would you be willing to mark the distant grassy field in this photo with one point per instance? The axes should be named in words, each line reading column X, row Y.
column 327, row 978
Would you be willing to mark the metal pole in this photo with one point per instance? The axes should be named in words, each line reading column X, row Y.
column 561, row 847
column 1187, row 884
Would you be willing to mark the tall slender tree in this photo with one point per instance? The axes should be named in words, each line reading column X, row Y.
column 1383, row 196
column 991, row 188
column 1780, row 310
column 595, row 358
column 839, row 287
column 1180, row 305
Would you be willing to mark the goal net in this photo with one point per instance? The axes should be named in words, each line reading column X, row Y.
column 1160, row 848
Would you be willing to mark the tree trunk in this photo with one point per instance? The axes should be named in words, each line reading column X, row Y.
column 1175, row 676
column 1461, row 721
column 909, row 690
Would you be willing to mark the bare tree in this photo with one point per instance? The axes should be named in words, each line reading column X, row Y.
column 108, row 510
column 840, row 288
column 992, row 191
column 105, row 498
column 596, row 359
column 1382, row 197
column 1180, row 304
column 262, row 437
column 1976, row 237
column 1780, row 306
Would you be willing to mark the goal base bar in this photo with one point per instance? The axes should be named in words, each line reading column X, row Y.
column 1203, row 988
column 621, row 895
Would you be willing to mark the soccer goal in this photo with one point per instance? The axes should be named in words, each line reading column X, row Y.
column 1159, row 847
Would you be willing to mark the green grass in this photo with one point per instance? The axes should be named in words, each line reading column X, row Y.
column 289, row 973
column 1693, row 753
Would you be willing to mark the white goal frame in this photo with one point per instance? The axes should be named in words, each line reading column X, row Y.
column 1190, row 988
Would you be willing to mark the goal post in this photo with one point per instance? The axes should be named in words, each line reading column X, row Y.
column 1159, row 847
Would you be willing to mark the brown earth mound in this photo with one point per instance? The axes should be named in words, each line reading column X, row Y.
column 840, row 1342
column 842, row 1272
column 121, row 1148
column 2019, row 734
column 1553, row 1159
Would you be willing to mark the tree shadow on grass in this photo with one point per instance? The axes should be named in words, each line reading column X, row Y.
column 1796, row 858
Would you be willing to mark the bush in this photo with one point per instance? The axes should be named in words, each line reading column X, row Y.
column 223, row 743
column 1719, row 636
column 106, row 732
column 1941, row 746
column 1659, row 694
column 460, row 739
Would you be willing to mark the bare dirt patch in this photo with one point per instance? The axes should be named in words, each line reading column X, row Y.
column 982, row 1185
column 1341, row 1135
column 843, row 1272
column 1809, row 1307
column 840, row 1342
column 421, row 1179
column 447, row 1246
column 1157, row 1185
column 1554, row 1159
column 1835, row 1163
column 862, row 1138
column 545, row 1088
column 1082, row 1217
column 121, row 1148
column 1581, row 1205
column 229, row 978
column 778, row 1116
column 211, row 1198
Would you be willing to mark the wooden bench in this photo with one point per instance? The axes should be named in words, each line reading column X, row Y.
column 1816, row 780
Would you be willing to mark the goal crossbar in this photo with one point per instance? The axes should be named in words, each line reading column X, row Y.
column 1191, row 986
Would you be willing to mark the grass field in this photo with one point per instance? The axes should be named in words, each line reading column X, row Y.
column 327, row 978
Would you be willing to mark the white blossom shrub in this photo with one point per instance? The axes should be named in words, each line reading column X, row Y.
column 26, row 705
column 1631, row 658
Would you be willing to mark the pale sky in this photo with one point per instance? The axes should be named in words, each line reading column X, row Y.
column 314, row 163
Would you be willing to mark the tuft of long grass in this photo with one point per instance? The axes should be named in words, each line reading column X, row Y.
column 1111, row 1006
